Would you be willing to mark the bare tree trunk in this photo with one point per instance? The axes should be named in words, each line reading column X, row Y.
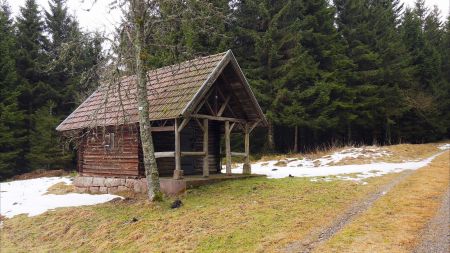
column 138, row 9
column 270, row 143
column 296, row 139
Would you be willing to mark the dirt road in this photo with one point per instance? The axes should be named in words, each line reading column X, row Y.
column 436, row 235
column 325, row 233
column 435, row 238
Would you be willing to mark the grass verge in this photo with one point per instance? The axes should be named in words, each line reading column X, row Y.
column 250, row 215
column 394, row 222
column 398, row 153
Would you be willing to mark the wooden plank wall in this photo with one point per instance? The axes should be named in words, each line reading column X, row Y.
column 213, row 149
column 126, row 160
column 165, row 141
column 122, row 160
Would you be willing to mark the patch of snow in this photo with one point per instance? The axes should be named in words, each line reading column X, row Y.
column 444, row 147
column 362, row 152
column 306, row 168
column 28, row 197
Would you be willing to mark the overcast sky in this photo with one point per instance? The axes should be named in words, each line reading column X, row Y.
column 98, row 16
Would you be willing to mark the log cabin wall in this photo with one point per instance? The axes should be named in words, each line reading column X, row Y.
column 97, row 156
column 112, row 152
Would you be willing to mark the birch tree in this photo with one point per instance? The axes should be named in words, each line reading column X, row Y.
column 142, row 35
column 138, row 10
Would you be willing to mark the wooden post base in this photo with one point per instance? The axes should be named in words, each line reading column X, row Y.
column 247, row 169
column 177, row 174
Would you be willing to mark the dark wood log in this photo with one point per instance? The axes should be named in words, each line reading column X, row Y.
column 246, row 169
column 205, row 148
column 165, row 154
column 192, row 153
column 162, row 128
column 224, row 105
column 183, row 124
column 228, row 147
column 202, row 116
column 177, row 172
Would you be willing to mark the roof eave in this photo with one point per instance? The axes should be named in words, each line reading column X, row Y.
column 212, row 77
column 228, row 57
column 249, row 90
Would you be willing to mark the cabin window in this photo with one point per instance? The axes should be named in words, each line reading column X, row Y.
column 109, row 141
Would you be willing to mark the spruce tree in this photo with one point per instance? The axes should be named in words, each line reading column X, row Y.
column 66, row 50
column 381, row 65
column 422, row 34
column 443, row 91
column 259, row 32
column 32, row 62
column 11, row 118
column 46, row 151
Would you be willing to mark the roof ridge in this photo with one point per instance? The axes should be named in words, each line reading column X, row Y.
column 177, row 65
column 176, row 85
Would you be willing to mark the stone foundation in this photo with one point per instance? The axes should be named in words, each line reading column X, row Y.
column 109, row 185
column 168, row 186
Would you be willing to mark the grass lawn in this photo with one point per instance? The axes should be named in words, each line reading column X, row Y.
column 255, row 214
column 394, row 222
column 249, row 215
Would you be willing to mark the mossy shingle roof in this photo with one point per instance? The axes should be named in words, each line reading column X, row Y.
column 171, row 91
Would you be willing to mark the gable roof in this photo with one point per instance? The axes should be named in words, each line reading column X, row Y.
column 173, row 92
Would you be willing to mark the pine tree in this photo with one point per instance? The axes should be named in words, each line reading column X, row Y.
column 31, row 64
column 423, row 35
column 70, row 51
column 443, row 92
column 46, row 151
column 259, row 32
column 191, row 28
column 381, row 65
column 11, row 118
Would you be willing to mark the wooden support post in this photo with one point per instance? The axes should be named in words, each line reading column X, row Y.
column 177, row 173
column 228, row 147
column 205, row 148
column 247, row 167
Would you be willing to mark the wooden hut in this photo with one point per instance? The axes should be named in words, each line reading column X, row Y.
column 193, row 105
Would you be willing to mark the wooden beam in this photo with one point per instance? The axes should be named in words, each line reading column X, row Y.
column 205, row 148
column 183, row 124
column 202, row 116
column 246, row 169
column 238, row 154
column 254, row 125
column 223, row 106
column 228, row 105
column 162, row 128
column 210, row 109
column 200, row 124
column 177, row 174
column 228, row 147
column 232, row 126
column 200, row 105
column 164, row 154
column 192, row 153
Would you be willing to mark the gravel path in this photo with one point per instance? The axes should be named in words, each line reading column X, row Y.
column 436, row 235
column 325, row 233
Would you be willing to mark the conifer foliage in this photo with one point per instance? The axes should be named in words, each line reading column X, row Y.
column 38, row 89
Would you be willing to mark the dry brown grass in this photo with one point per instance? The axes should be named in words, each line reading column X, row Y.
column 42, row 173
column 250, row 215
column 398, row 153
column 60, row 189
column 394, row 223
